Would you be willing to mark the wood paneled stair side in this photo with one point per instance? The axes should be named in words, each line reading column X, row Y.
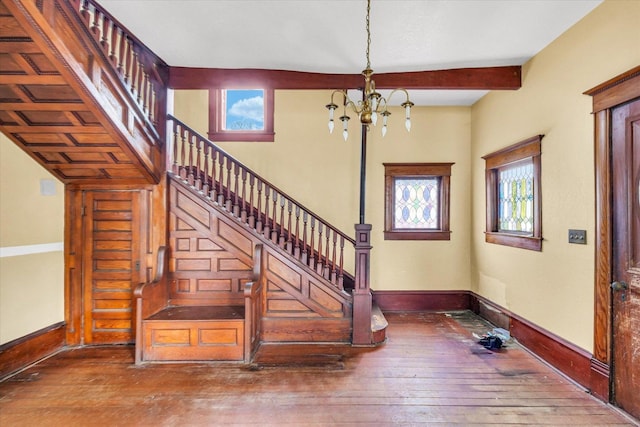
column 212, row 259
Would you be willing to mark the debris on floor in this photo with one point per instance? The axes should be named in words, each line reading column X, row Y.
column 493, row 340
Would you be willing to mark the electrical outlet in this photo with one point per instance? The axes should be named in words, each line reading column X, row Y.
column 578, row 236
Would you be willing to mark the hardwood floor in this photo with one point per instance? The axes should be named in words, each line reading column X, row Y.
column 431, row 371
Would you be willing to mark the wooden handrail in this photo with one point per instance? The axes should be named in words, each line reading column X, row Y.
column 151, row 297
column 259, row 204
column 253, row 307
column 141, row 71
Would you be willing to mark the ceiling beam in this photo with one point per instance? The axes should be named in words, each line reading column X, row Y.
column 484, row 78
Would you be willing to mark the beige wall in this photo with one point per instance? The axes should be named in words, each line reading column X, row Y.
column 553, row 288
column 31, row 285
column 322, row 172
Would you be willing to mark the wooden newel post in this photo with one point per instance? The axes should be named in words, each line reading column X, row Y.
column 362, row 292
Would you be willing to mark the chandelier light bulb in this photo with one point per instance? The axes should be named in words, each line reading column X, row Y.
column 330, row 125
column 345, row 131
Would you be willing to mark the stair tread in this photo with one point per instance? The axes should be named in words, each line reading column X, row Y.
column 200, row 313
column 378, row 321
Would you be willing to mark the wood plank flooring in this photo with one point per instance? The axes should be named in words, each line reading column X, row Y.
column 430, row 372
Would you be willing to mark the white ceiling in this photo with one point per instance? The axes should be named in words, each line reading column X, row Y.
column 329, row 36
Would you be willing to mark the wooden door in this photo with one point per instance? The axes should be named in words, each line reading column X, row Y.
column 111, row 264
column 625, row 287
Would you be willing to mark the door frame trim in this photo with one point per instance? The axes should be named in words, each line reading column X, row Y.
column 605, row 97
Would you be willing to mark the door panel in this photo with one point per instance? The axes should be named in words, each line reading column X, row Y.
column 625, row 139
column 111, row 265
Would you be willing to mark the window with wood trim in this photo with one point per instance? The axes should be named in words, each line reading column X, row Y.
column 417, row 201
column 514, row 205
column 241, row 115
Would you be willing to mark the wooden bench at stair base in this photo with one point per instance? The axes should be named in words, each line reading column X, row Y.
column 169, row 332
column 195, row 333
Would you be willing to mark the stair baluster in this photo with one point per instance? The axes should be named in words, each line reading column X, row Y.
column 175, row 165
column 274, row 232
column 183, row 171
column 312, row 258
column 259, row 224
column 236, row 183
column 296, row 249
column 325, row 270
column 220, row 179
column 288, row 245
column 122, row 55
column 114, row 44
column 341, row 268
column 266, row 232
column 305, row 253
column 214, row 159
column 206, row 178
column 198, row 170
column 104, row 42
column 281, row 239
column 334, row 273
column 190, row 166
column 243, row 211
column 319, row 259
column 251, row 219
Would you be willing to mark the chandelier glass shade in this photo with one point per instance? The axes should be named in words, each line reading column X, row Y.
column 372, row 103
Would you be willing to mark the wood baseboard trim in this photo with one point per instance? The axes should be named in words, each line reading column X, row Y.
column 564, row 356
column 573, row 361
column 600, row 380
column 24, row 351
column 421, row 300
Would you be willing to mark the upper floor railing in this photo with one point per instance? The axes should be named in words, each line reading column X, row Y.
column 143, row 73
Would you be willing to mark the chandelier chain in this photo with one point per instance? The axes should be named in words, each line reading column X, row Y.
column 368, row 33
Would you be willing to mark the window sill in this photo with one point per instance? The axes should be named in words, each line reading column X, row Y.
column 517, row 241
column 417, row 235
column 242, row 136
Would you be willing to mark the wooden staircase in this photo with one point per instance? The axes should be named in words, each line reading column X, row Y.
column 228, row 290
column 243, row 272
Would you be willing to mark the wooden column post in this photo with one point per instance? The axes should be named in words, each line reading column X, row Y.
column 362, row 292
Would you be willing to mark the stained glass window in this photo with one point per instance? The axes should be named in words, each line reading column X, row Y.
column 515, row 197
column 514, row 211
column 416, row 203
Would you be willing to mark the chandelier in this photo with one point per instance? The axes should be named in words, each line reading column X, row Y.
column 372, row 104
